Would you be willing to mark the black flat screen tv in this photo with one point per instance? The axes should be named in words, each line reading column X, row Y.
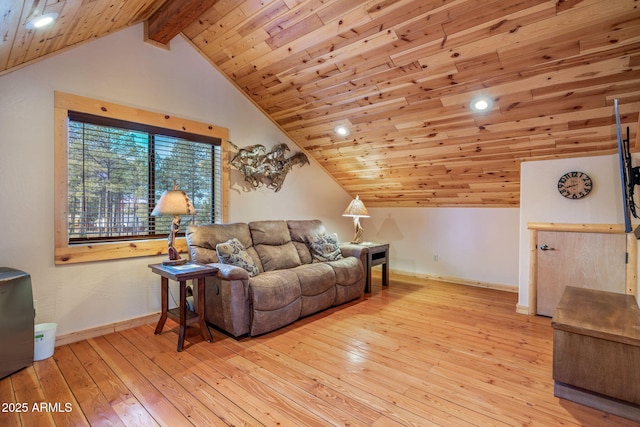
column 629, row 175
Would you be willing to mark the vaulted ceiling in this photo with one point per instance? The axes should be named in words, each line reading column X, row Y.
column 400, row 75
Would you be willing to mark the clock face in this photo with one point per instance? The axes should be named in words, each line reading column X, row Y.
column 575, row 185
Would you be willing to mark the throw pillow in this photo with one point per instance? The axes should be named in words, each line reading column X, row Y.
column 324, row 247
column 232, row 252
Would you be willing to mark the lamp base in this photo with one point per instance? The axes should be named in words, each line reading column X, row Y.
column 357, row 239
column 175, row 261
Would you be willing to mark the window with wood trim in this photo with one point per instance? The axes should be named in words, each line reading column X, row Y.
column 118, row 169
column 114, row 169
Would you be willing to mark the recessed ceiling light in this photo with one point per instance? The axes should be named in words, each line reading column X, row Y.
column 41, row 21
column 481, row 103
column 341, row 130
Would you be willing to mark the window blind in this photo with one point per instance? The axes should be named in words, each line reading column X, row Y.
column 118, row 169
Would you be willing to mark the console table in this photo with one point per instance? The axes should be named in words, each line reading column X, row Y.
column 377, row 254
column 596, row 349
column 182, row 314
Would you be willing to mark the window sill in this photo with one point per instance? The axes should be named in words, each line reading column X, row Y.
column 115, row 250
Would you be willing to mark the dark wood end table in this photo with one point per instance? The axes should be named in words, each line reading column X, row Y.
column 377, row 254
column 182, row 314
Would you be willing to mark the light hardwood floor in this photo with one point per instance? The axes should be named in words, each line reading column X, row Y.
column 416, row 353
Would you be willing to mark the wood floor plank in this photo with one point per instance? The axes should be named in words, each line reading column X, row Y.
column 160, row 408
column 388, row 362
column 251, row 395
column 93, row 403
column 190, row 408
column 59, row 400
column 28, row 390
column 9, row 415
column 279, row 365
column 417, row 353
column 192, row 373
column 266, row 404
column 128, row 408
column 328, row 413
column 366, row 396
column 365, row 373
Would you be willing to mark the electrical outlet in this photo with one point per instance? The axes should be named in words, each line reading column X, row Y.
column 435, row 257
column 35, row 306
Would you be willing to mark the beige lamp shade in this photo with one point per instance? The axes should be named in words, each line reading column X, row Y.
column 174, row 202
column 356, row 209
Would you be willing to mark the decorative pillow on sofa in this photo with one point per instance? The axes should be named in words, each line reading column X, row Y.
column 324, row 247
column 232, row 252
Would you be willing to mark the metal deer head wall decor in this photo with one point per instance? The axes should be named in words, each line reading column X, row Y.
column 262, row 168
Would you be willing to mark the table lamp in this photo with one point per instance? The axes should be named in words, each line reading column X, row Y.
column 357, row 210
column 174, row 202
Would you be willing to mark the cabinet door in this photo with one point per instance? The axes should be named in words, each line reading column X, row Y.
column 584, row 260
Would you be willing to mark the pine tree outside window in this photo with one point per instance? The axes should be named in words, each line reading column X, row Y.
column 110, row 171
column 117, row 172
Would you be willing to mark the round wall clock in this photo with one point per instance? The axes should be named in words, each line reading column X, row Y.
column 575, row 185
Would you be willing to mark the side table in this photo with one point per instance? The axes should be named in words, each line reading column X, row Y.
column 377, row 254
column 181, row 314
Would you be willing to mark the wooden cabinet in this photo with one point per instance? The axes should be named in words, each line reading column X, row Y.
column 596, row 350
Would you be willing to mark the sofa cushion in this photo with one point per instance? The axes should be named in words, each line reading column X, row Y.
column 346, row 293
column 300, row 229
column 350, row 279
column 267, row 321
column 273, row 290
column 324, row 247
column 202, row 239
column 276, row 300
column 348, row 270
column 233, row 252
column 315, row 278
column 317, row 286
column 303, row 252
column 278, row 257
column 269, row 232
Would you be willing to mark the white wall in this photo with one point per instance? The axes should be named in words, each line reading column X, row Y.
column 540, row 201
column 474, row 244
column 121, row 68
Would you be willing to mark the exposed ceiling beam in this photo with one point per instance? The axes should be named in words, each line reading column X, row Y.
column 173, row 17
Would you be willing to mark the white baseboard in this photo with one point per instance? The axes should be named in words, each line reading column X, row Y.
column 105, row 329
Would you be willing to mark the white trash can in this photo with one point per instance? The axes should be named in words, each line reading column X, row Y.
column 45, row 340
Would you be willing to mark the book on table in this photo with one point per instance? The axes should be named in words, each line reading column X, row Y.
column 189, row 267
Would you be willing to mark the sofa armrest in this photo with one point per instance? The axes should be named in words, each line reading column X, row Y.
column 230, row 272
column 349, row 249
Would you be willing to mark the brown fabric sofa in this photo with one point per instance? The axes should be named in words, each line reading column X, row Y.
column 288, row 284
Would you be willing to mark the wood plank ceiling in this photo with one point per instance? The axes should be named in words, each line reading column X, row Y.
column 400, row 74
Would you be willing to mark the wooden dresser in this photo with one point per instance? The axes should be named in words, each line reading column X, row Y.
column 596, row 350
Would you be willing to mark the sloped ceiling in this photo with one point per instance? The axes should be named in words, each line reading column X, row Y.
column 400, row 75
